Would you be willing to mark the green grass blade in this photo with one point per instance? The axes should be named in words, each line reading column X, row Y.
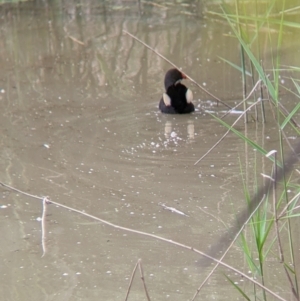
column 290, row 116
column 262, row 19
column 296, row 85
column 235, row 66
column 238, row 288
column 249, row 141
column 249, row 258
column 253, row 59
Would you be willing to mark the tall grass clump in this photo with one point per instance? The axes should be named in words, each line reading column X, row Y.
column 271, row 235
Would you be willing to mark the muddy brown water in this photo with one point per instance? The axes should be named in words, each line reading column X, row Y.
column 80, row 124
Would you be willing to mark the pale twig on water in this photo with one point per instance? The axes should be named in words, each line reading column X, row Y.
column 43, row 223
column 75, row 40
column 172, row 209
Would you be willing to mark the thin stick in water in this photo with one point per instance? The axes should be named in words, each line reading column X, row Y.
column 131, row 280
column 171, row 63
column 143, row 279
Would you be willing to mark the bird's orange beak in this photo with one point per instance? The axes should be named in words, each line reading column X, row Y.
column 183, row 76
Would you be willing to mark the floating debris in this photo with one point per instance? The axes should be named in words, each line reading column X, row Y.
column 172, row 209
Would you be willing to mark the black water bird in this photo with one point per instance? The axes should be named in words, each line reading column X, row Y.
column 178, row 98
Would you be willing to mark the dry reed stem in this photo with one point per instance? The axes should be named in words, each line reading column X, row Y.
column 284, row 210
column 138, row 264
column 171, row 63
column 131, row 280
column 152, row 236
column 274, row 185
column 240, row 103
column 227, row 132
column 143, row 278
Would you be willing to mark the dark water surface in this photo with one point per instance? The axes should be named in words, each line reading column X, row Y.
column 80, row 123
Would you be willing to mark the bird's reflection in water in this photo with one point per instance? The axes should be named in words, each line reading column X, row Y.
column 173, row 136
column 168, row 129
column 191, row 131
